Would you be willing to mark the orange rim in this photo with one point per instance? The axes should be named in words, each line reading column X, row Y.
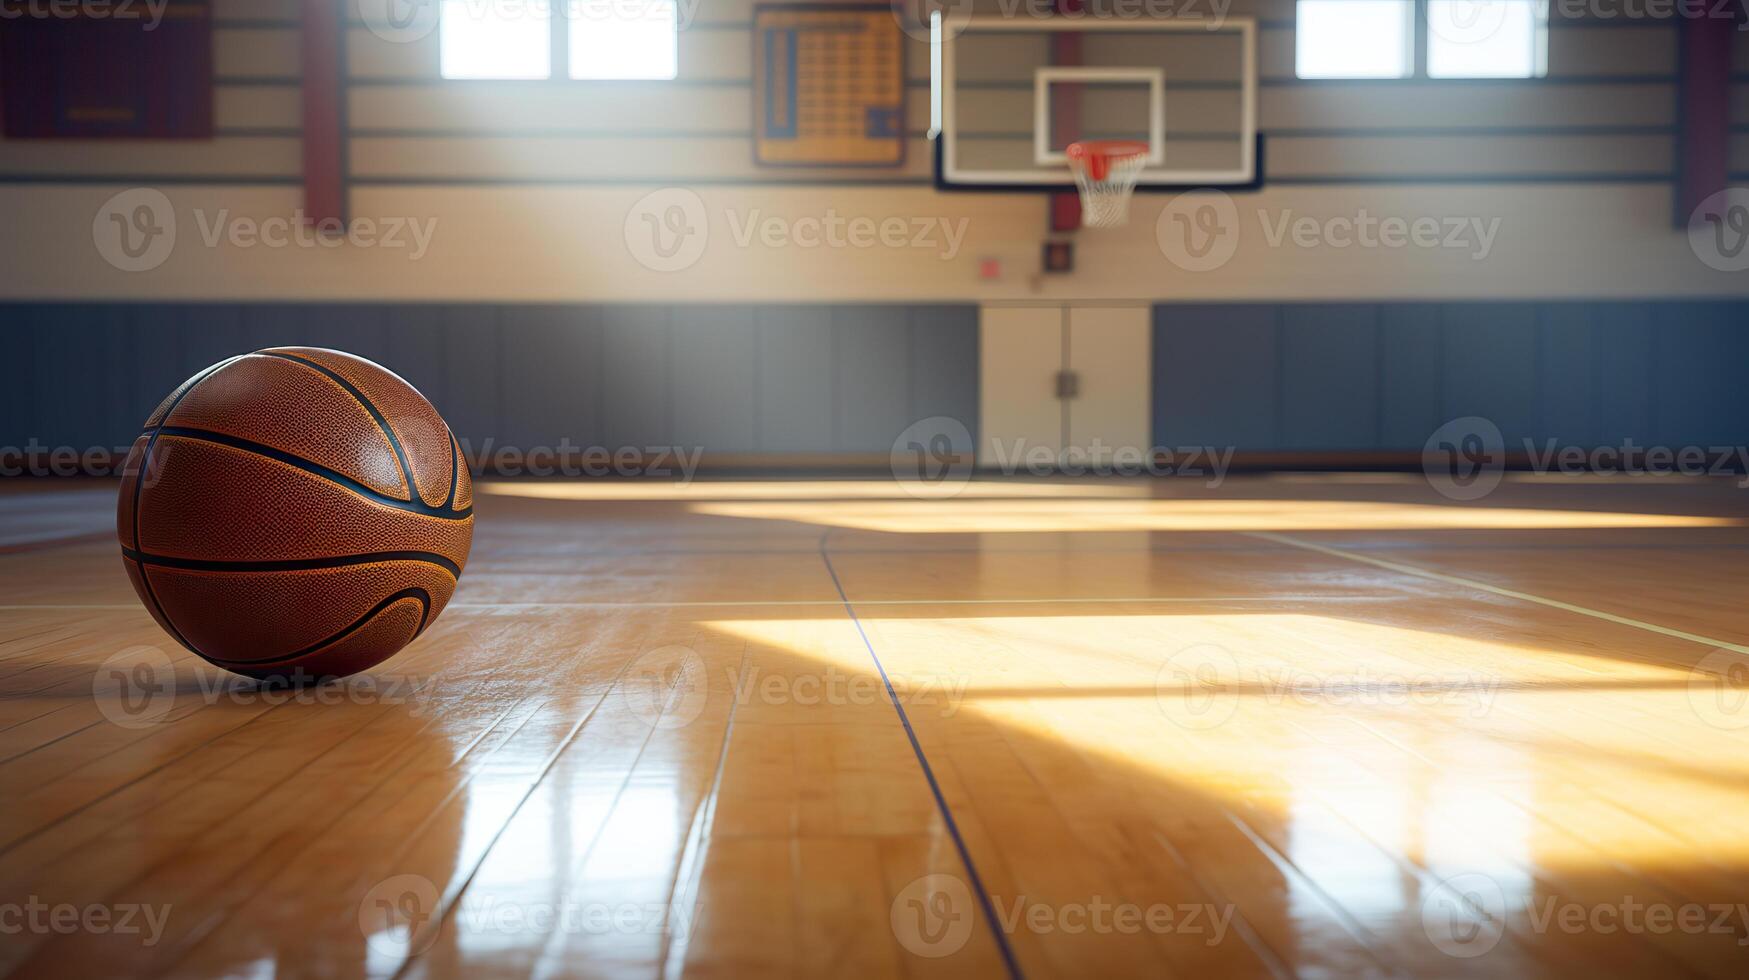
column 1097, row 155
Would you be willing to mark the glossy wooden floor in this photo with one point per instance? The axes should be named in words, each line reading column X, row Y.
column 1315, row 726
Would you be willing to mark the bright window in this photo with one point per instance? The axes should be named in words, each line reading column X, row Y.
column 601, row 39
column 1487, row 38
column 623, row 39
column 1355, row 39
column 494, row 39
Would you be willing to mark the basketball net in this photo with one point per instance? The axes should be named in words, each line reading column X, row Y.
column 1106, row 172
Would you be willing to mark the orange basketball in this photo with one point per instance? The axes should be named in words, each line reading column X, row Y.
column 295, row 512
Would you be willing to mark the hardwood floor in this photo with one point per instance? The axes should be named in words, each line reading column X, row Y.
column 1296, row 726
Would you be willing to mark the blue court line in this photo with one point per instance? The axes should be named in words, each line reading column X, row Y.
column 953, row 829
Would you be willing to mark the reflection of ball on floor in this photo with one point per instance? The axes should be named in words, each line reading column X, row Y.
column 299, row 512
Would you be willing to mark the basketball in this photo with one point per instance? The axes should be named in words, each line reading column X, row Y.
column 295, row 512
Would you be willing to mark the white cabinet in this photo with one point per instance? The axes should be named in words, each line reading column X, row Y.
column 1064, row 383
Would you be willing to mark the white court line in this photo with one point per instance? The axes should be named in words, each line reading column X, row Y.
column 1470, row 583
column 706, row 603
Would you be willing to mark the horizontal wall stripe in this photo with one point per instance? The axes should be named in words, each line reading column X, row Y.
column 450, row 85
column 1458, row 131
column 238, row 156
column 787, row 179
column 1449, row 156
column 616, row 155
column 295, row 132
column 568, row 133
column 292, row 81
column 593, row 158
column 1551, row 81
column 507, row 109
column 790, row 180
column 1284, row 132
column 1652, row 177
column 1339, row 105
column 352, row 22
column 1027, row 86
column 776, row 179
column 158, row 180
column 274, row 9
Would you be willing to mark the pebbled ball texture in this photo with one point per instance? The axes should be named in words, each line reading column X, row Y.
column 295, row 512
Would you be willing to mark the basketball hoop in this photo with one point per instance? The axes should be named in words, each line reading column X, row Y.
column 1106, row 172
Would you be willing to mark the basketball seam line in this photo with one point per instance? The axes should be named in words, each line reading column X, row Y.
column 414, row 506
column 370, row 409
column 454, row 455
column 423, row 596
column 291, row 564
column 382, row 423
column 162, row 615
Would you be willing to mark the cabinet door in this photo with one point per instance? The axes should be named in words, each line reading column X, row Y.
column 1021, row 353
column 1110, row 350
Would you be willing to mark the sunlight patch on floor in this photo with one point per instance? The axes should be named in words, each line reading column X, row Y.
column 1444, row 744
column 990, row 516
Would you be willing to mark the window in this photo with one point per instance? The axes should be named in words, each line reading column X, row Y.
column 1465, row 38
column 599, row 39
column 493, row 39
column 1354, row 39
column 623, row 39
column 1487, row 38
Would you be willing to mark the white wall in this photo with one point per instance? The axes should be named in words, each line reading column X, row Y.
column 569, row 243
column 530, row 186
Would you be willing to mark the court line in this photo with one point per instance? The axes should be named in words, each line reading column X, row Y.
column 1470, row 583
column 953, row 829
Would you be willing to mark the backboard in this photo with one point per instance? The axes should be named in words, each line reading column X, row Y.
column 1010, row 92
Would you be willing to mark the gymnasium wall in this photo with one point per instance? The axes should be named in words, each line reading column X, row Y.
column 529, row 184
column 741, row 382
column 751, row 384
column 1308, row 378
